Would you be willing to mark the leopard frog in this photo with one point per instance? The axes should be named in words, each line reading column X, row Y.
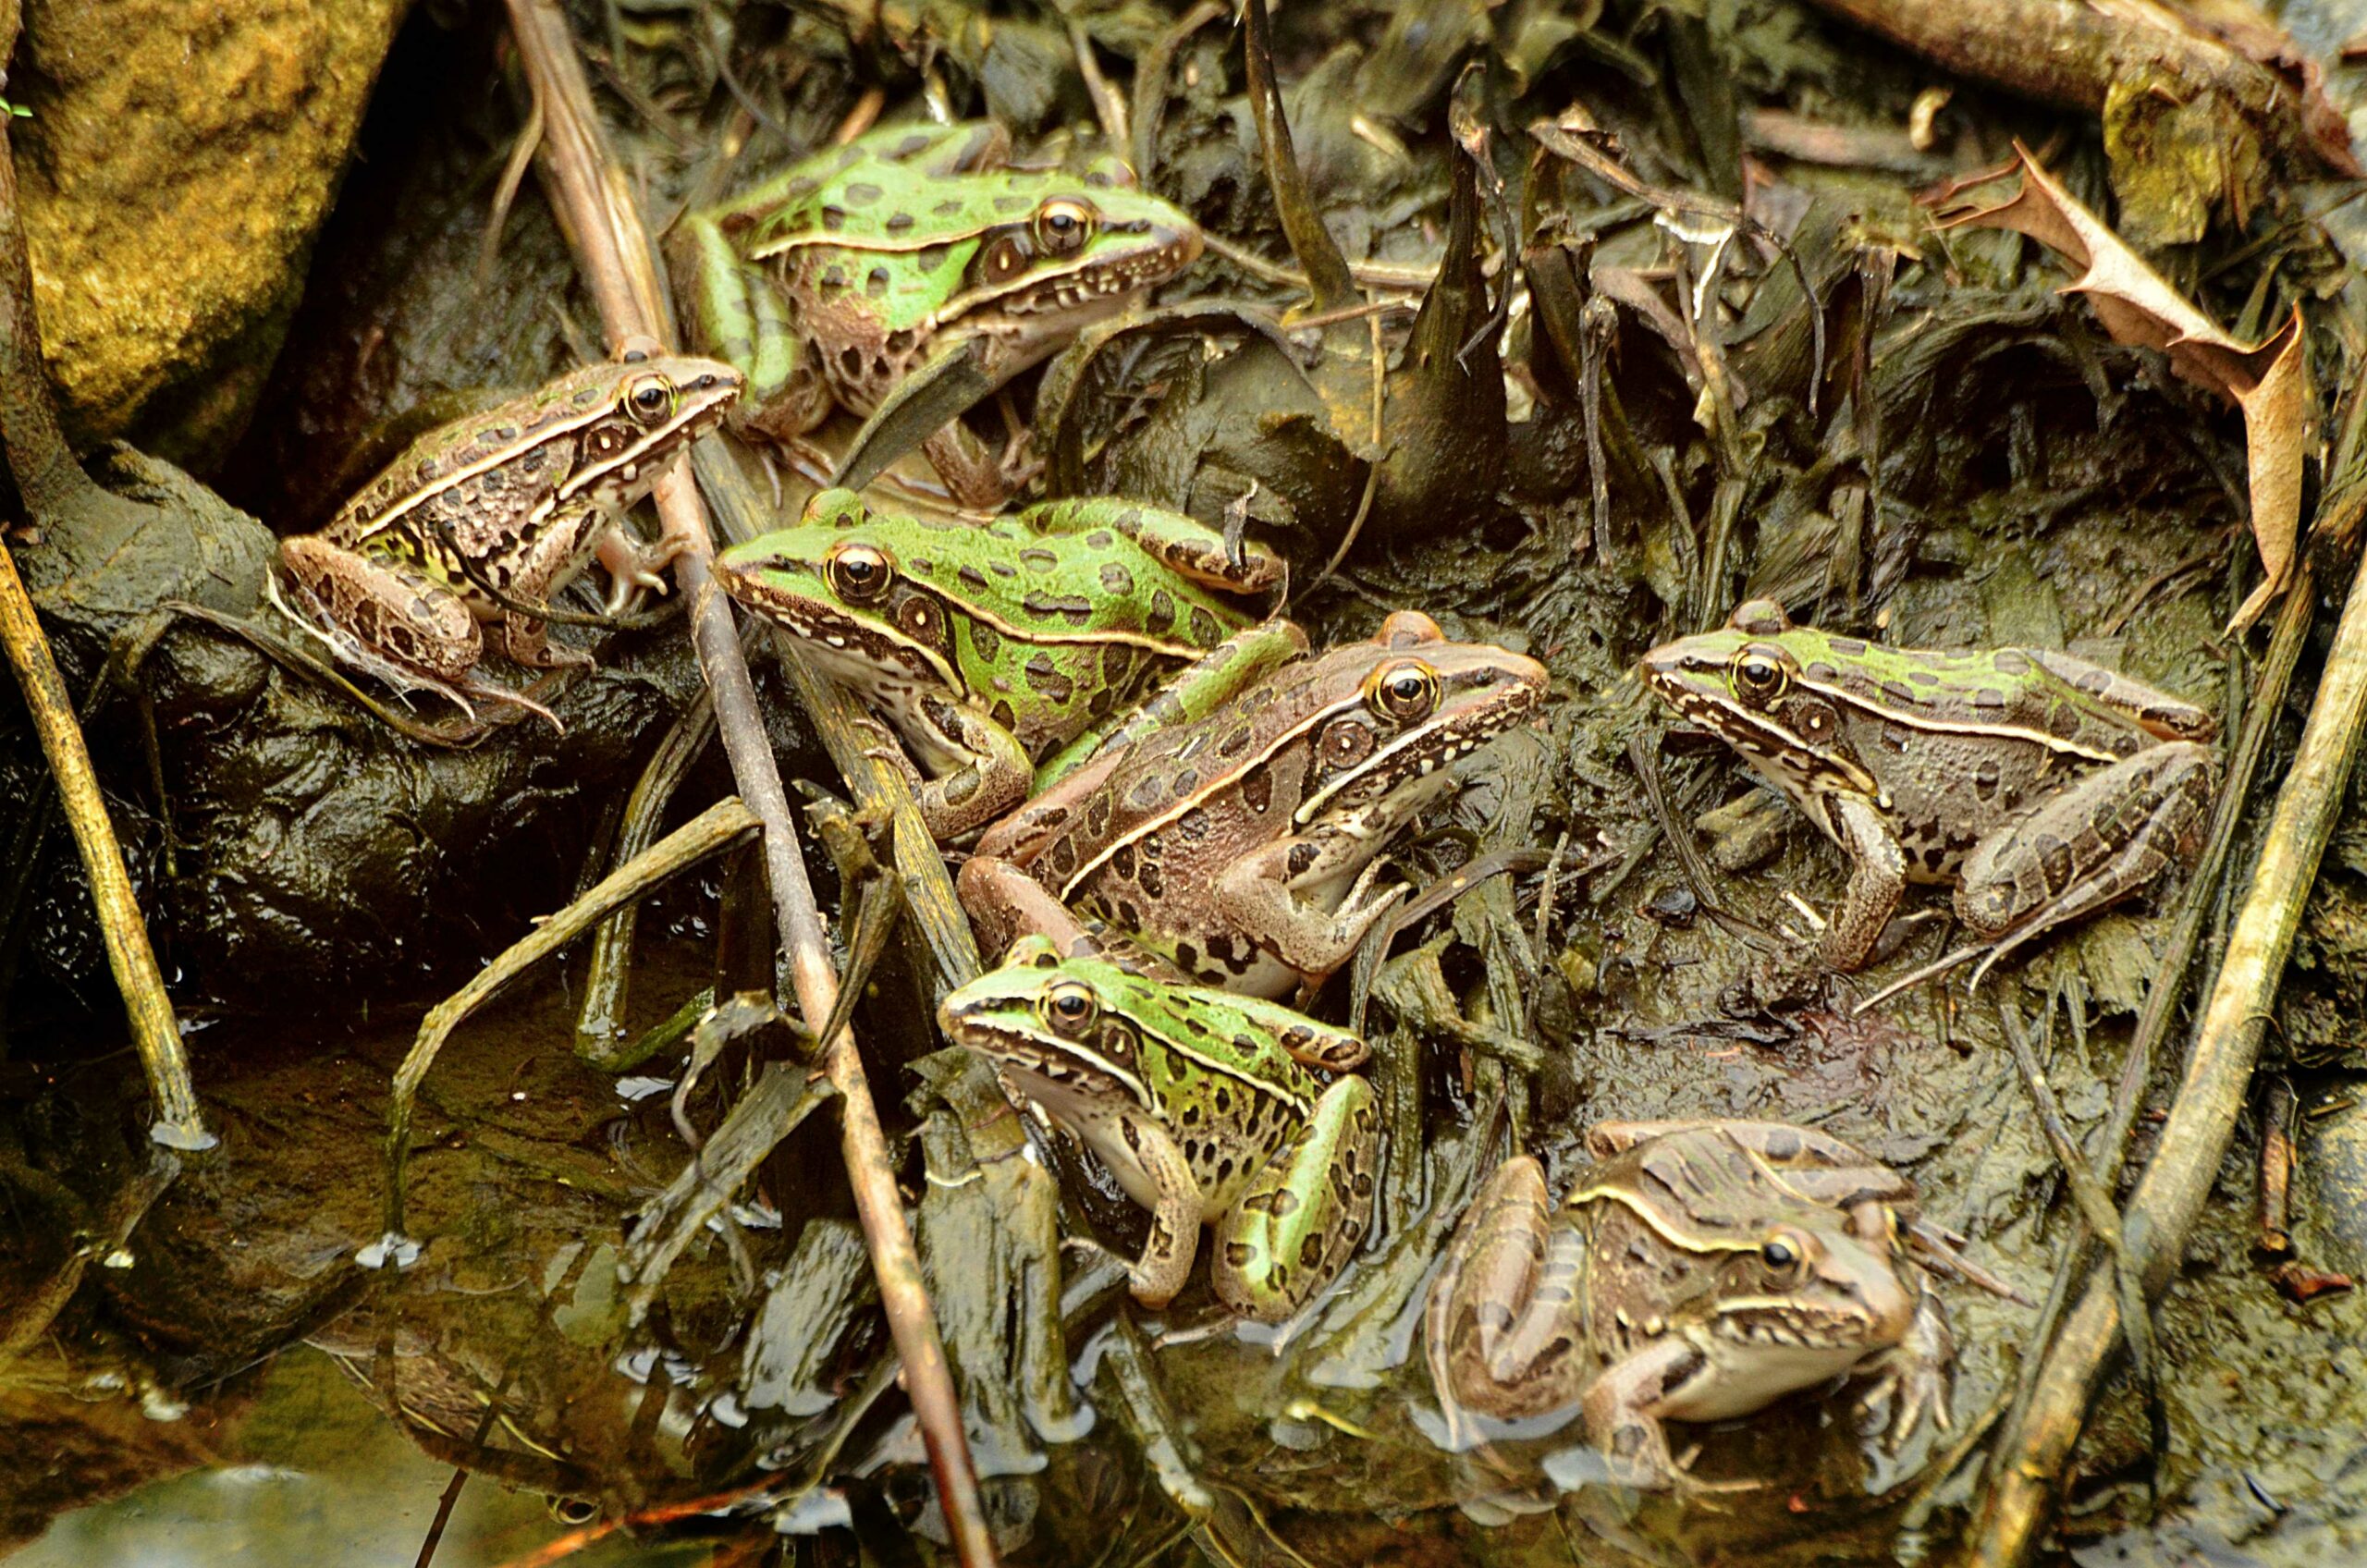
column 833, row 282
column 1203, row 1106
column 2042, row 785
column 509, row 505
column 1695, row 1272
column 991, row 647
column 1243, row 849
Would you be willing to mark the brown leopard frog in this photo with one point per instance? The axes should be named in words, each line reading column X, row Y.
column 1695, row 1272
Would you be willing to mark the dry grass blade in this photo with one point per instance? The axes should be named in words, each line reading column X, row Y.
column 588, row 191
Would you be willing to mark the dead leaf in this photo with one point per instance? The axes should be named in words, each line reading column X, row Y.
column 2268, row 380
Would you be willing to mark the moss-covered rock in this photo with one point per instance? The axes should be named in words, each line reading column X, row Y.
column 180, row 157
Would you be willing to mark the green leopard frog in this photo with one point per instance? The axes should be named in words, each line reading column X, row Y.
column 1203, row 1106
column 992, row 649
column 835, row 281
column 1695, row 1272
column 1243, row 848
column 2042, row 785
column 487, row 518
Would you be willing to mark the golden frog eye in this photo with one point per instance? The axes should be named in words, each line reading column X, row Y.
column 1785, row 1255
column 1406, row 690
column 1069, row 1008
column 1064, row 225
column 1759, row 676
column 650, row 400
column 859, row 573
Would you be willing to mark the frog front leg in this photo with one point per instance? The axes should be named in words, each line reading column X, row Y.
column 975, row 476
column 1306, row 1212
column 2088, row 845
column 738, row 316
column 1877, row 880
column 392, row 606
column 1623, row 1411
column 1910, row 1383
column 1175, row 1217
column 977, row 769
column 552, row 561
column 1501, row 1322
column 1268, row 894
column 633, row 565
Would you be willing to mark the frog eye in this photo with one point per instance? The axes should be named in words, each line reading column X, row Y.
column 1406, row 692
column 859, row 573
column 650, row 400
column 1069, row 1008
column 1064, row 225
column 1785, row 1253
column 1758, row 675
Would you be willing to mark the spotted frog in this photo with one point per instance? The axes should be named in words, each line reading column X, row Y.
column 834, row 282
column 1203, row 1104
column 1695, row 1271
column 487, row 518
column 998, row 652
column 1243, row 849
column 2043, row 786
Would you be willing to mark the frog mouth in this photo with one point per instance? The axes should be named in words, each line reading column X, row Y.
column 1099, row 283
column 1058, row 1077
column 1764, row 742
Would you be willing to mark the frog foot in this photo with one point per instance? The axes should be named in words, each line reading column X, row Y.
column 1019, row 466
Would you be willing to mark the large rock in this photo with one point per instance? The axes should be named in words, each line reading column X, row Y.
column 180, row 157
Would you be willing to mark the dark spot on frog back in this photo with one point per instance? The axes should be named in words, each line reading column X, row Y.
column 1045, row 677
column 860, row 193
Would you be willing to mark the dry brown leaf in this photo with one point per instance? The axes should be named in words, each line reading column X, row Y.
column 2268, row 380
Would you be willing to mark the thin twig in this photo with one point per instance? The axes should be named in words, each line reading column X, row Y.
column 2212, row 1092
column 179, row 1122
column 613, row 249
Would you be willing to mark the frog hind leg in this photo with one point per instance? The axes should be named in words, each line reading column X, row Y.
column 1191, row 693
column 1501, row 1321
column 2088, row 846
column 1306, row 1213
column 391, row 607
column 1176, row 540
column 738, row 315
